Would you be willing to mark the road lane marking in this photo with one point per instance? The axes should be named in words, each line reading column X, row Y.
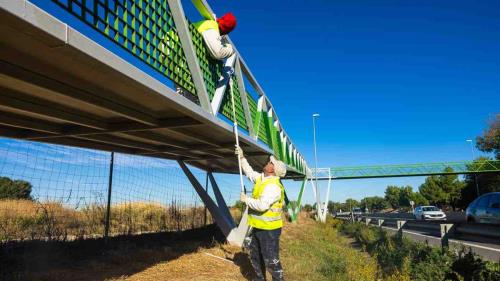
column 450, row 240
column 475, row 245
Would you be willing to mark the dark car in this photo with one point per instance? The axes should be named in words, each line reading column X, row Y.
column 485, row 209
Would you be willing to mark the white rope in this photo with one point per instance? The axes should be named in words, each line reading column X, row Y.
column 214, row 256
column 235, row 129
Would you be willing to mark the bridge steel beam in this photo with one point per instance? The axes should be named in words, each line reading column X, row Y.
column 190, row 53
column 117, row 105
column 222, row 85
column 296, row 210
column 244, row 98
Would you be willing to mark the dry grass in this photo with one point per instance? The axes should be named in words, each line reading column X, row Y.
column 24, row 219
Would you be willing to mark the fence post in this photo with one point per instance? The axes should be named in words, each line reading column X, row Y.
column 446, row 230
column 108, row 207
column 206, row 190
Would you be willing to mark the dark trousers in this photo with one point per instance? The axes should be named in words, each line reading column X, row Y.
column 264, row 253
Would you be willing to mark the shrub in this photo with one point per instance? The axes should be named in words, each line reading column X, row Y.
column 402, row 259
column 14, row 189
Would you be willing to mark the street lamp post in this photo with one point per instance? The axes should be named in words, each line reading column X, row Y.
column 475, row 175
column 316, row 162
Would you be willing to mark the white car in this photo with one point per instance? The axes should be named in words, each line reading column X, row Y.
column 429, row 213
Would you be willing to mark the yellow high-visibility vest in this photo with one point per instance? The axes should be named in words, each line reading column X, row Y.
column 205, row 25
column 271, row 218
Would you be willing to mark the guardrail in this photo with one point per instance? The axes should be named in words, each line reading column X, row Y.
column 443, row 230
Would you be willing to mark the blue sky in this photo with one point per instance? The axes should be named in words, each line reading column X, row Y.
column 394, row 81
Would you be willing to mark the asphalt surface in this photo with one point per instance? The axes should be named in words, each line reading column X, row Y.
column 487, row 248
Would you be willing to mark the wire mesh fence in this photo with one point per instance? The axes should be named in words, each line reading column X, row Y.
column 53, row 192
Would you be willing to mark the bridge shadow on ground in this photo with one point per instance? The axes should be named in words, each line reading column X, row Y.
column 93, row 259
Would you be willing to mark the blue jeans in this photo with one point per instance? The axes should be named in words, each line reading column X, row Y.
column 264, row 253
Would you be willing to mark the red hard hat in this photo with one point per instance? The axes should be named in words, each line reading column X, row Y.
column 226, row 23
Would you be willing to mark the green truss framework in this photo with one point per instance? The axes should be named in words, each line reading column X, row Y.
column 386, row 171
column 158, row 33
column 409, row 170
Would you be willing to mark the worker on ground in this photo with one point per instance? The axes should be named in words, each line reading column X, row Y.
column 213, row 32
column 265, row 215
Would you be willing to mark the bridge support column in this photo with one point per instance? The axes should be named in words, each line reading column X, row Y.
column 380, row 222
column 296, row 210
column 225, row 223
column 367, row 221
column 447, row 230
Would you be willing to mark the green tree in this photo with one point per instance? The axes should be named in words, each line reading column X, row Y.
column 351, row 204
column 15, row 189
column 374, row 203
column 486, row 183
column 443, row 190
column 432, row 191
column 419, row 199
column 452, row 187
column 490, row 140
column 398, row 197
column 392, row 196
column 307, row 208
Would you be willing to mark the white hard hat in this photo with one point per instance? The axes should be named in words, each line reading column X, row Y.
column 279, row 167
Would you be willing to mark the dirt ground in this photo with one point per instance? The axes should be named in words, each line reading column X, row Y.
column 218, row 262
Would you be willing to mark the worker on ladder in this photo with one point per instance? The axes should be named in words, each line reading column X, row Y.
column 214, row 31
column 265, row 215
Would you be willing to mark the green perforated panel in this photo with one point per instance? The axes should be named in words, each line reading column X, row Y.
column 263, row 135
column 145, row 28
column 252, row 107
column 227, row 106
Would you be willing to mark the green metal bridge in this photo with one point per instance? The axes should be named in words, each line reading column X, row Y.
column 408, row 170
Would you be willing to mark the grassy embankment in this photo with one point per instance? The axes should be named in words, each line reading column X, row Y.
column 404, row 259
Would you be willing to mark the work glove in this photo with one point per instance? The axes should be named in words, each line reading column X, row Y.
column 243, row 197
column 228, row 70
column 238, row 151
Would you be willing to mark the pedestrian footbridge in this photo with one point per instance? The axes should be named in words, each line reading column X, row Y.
column 107, row 75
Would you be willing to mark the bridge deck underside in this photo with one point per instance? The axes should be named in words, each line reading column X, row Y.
column 58, row 86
